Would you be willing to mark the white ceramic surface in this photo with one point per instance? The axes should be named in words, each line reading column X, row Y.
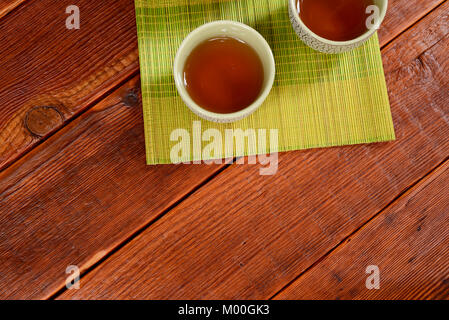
column 328, row 46
column 219, row 29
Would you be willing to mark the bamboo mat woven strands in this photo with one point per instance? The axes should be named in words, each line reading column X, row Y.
column 318, row 100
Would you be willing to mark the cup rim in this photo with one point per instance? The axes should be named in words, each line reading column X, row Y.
column 362, row 37
column 222, row 117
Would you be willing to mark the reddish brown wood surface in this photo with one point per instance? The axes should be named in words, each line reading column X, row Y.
column 418, row 40
column 6, row 6
column 246, row 236
column 58, row 189
column 42, row 63
column 80, row 194
column 408, row 243
column 401, row 12
column 46, row 64
column 86, row 190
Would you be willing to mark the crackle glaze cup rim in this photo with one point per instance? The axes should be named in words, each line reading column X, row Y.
column 360, row 39
column 222, row 28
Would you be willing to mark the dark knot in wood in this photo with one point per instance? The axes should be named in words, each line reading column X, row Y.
column 131, row 98
column 42, row 120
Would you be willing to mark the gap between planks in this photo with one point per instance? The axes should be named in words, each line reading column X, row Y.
column 343, row 242
column 412, row 25
column 14, row 5
column 101, row 97
column 135, row 72
column 215, row 174
column 143, row 228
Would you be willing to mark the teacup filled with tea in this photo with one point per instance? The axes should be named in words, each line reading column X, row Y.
column 224, row 71
column 334, row 26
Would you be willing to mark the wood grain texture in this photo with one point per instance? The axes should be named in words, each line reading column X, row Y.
column 45, row 64
column 401, row 12
column 418, row 39
column 408, row 242
column 6, row 6
column 80, row 194
column 85, row 190
column 246, row 236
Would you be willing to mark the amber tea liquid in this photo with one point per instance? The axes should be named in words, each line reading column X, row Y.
column 224, row 75
column 337, row 20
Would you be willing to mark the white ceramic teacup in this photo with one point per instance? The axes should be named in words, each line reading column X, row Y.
column 328, row 46
column 219, row 29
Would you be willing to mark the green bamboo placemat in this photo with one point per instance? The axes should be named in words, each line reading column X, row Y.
column 318, row 100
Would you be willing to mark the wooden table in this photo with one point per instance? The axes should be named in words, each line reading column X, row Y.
column 75, row 190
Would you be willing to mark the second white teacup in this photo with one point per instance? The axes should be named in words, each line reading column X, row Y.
column 328, row 46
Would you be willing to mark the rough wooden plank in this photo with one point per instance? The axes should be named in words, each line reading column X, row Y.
column 80, row 194
column 418, row 39
column 408, row 243
column 401, row 12
column 8, row 5
column 246, row 236
column 69, row 70
column 76, row 212
column 45, row 64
